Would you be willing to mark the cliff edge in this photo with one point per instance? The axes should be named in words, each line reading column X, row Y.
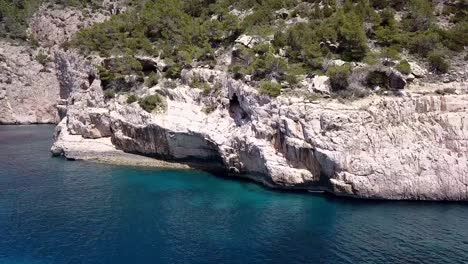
column 413, row 146
column 306, row 100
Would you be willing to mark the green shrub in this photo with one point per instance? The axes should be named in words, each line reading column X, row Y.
column 272, row 89
column 386, row 30
column 303, row 45
column 371, row 58
column 152, row 80
column 151, row 103
column 131, row 99
column 424, row 42
column 33, row 41
column 113, row 70
column 174, row 72
column 293, row 72
column 267, row 66
column 209, row 109
column 456, row 38
column 170, row 84
column 262, row 65
column 106, row 76
column 291, row 79
column 420, row 16
column 14, row 17
column 387, row 36
column 352, row 37
column 377, row 78
column 280, row 40
column 237, row 71
column 404, row 67
column 438, row 62
column 312, row 56
column 183, row 32
column 459, row 12
column 339, row 76
column 262, row 48
column 391, row 53
column 42, row 58
column 387, row 18
column 224, row 28
column 243, row 56
column 395, row 4
column 205, row 87
column 109, row 94
column 124, row 65
column 151, row 27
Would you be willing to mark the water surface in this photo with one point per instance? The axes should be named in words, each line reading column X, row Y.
column 57, row 211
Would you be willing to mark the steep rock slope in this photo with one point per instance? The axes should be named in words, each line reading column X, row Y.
column 391, row 148
column 409, row 147
column 29, row 91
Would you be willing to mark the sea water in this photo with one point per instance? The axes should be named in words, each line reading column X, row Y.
column 58, row 211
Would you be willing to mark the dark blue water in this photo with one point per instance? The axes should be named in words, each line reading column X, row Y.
column 56, row 211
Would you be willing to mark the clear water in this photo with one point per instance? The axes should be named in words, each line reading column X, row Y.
column 55, row 211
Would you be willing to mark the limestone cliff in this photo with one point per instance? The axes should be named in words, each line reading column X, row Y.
column 409, row 143
column 412, row 146
column 30, row 89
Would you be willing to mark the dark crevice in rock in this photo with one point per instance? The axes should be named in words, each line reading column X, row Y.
column 148, row 66
column 91, row 78
column 192, row 149
column 298, row 156
column 236, row 111
column 212, row 165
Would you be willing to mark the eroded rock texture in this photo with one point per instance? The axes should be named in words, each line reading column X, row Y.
column 409, row 147
column 414, row 146
column 29, row 90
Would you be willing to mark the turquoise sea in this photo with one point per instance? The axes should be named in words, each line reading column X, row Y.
column 57, row 211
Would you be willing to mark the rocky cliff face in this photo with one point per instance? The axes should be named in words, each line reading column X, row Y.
column 409, row 147
column 52, row 27
column 29, row 90
column 412, row 146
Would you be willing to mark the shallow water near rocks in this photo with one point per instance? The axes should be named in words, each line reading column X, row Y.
column 57, row 211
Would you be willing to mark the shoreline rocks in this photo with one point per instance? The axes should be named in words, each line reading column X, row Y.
column 413, row 147
column 76, row 147
column 410, row 147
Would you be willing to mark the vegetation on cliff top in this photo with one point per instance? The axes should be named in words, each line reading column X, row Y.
column 15, row 14
column 187, row 30
column 289, row 38
column 152, row 102
column 294, row 37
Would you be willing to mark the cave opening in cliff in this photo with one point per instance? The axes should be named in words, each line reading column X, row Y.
column 236, row 111
column 148, row 66
column 91, row 78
